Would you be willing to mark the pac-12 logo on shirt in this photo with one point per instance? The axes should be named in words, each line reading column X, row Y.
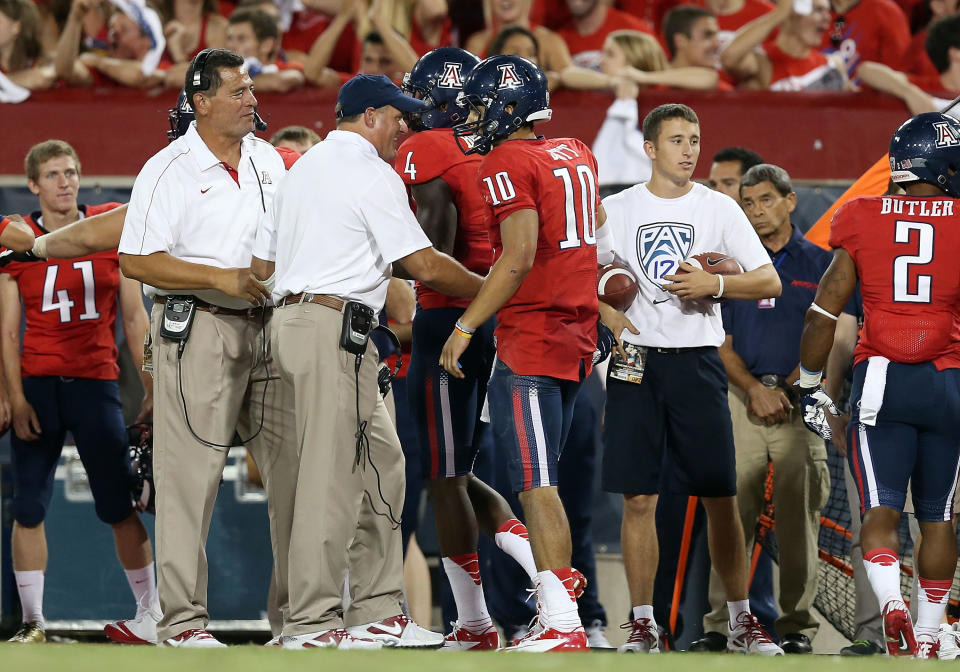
column 946, row 135
column 661, row 247
column 509, row 78
column 452, row 76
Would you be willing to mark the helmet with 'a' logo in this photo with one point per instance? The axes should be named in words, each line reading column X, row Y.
column 437, row 79
column 926, row 148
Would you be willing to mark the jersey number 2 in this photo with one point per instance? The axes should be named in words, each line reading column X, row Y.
column 902, row 264
column 58, row 299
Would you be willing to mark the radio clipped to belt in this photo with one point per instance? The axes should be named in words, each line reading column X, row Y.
column 178, row 312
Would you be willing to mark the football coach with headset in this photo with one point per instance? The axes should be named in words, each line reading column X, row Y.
column 340, row 221
column 188, row 233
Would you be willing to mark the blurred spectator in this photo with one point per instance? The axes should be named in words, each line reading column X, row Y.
column 518, row 41
column 943, row 48
column 692, row 35
column 728, row 168
column 732, row 15
column 590, row 23
column 297, row 138
column 254, row 35
column 916, row 62
column 135, row 46
column 552, row 53
column 21, row 52
column 651, row 11
column 425, row 24
column 867, row 30
column 303, row 27
column 551, row 13
column 383, row 50
column 791, row 61
column 190, row 27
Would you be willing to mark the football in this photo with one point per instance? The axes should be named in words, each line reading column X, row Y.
column 716, row 263
column 617, row 285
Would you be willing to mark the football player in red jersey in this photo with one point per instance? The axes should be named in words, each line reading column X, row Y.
column 66, row 380
column 545, row 204
column 450, row 207
column 906, row 378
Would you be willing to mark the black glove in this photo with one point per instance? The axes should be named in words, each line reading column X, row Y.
column 605, row 343
column 8, row 256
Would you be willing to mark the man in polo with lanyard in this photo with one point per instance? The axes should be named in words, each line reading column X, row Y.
column 188, row 234
column 339, row 222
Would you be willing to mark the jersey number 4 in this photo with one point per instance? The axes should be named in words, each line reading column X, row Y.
column 58, row 299
column 901, row 265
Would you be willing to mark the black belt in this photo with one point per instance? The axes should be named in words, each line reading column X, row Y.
column 678, row 351
column 205, row 306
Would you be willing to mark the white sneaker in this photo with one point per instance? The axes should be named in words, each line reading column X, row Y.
column 596, row 637
column 194, row 639
column 335, row 638
column 947, row 639
column 644, row 637
column 139, row 630
column 275, row 641
column 398, row 631
column 749, row 637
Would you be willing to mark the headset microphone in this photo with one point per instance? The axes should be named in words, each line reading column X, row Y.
column 258, row 122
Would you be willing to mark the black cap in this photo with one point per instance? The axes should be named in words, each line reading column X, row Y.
column 374, row 91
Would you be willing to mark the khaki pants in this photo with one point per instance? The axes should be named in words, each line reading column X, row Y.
column 335, row 521
column 801, row 486
column 223, row 371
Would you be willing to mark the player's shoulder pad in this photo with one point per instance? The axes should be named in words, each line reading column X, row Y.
column 426, row 155
column 288, row 155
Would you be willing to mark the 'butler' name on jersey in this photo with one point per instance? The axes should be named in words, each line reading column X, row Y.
column 549, row 327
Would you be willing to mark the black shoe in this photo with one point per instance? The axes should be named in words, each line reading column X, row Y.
column 711, row 642
column 796, row 643
column 862, row 647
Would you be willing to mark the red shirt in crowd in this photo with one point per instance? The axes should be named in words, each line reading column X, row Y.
column 70, row 308
column 433, row 154
column 910, row 309
column 549, row 327
column 816, row 72
column 916, row 61
column 872, row 30
column 421, row 46
column 307, row 25
column 587, row 50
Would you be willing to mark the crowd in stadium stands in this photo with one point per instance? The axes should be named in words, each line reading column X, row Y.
column 907, row 48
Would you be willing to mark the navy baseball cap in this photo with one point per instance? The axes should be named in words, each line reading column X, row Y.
column 374, row 91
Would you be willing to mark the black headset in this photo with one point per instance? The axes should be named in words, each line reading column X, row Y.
column 201, row 82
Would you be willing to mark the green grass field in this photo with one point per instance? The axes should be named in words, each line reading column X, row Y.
column 108, row 658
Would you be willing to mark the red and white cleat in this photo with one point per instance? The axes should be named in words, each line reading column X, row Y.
column 643, row 638
column 194, row 639
column 898, row 629
column 335, row 638
column 462, row 639
column 549, row 639
column 398, row 631
column 927, row 647
column 140, row 630
column 750, row 637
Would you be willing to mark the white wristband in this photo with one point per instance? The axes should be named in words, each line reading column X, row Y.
column 719, row 294
column 810, row 379
column 40, row 247
column 817, row 309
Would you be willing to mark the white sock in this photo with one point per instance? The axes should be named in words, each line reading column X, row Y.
column 143, row 584
column 883, row 571
column 463, row 571
column 513, row 540
column 735, row 608
column 932, row 604
column 558, row 607
column 644, row 611
column 30, row 588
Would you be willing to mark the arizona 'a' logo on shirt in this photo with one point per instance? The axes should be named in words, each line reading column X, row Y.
column 452, row 76
column 946, row 135
column 661, row 247
column 509, row 78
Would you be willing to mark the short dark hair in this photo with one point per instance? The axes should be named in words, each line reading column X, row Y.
column 373, row 37
column 264, row 26
column 747, row 158
column 767, row 172
column 942, row 36
column 500, row 39
column 662, row 113
column 680, row 20
column 294, row 134
column 216, row 59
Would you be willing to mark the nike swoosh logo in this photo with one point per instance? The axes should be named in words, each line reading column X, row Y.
column 714, row 262
column 655, row 302
column 394, row 629
column 203, row 191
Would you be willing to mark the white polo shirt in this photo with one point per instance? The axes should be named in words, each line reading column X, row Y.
column 653, row 235
column 340, row 219
column 186, row 203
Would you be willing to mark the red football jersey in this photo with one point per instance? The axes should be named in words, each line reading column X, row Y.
column 71, row 311
column 587, row 50
column 433, row 154
column 549, row 327
column 906, row 250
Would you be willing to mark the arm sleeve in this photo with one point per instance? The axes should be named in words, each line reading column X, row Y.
column 389, row 219
column 155, row 213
